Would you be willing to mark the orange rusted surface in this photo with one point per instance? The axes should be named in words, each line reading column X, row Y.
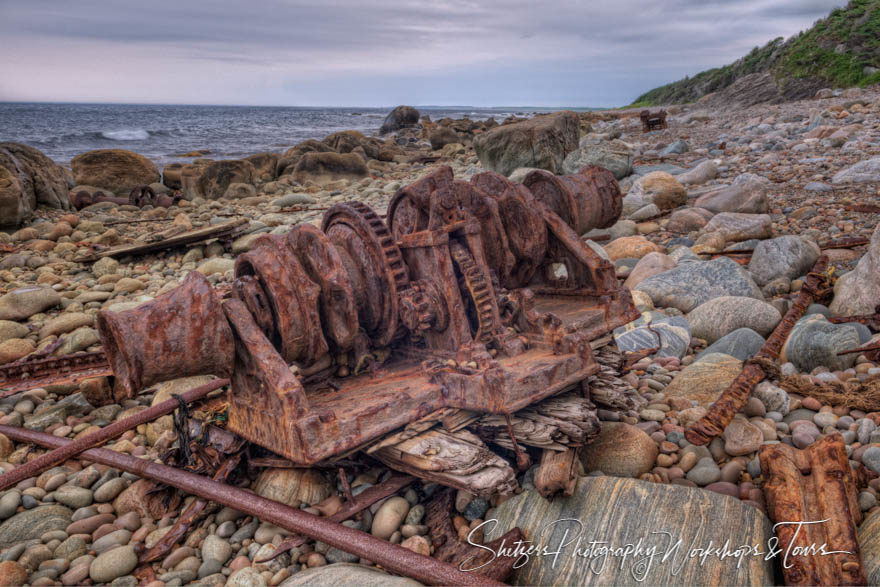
column 812, row 499
column 477, row 295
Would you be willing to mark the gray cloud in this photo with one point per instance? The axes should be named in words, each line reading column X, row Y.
column 348, row 52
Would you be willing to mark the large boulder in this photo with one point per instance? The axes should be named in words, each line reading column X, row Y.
column 867, row 171
column 265, row 165
column 663, row 190
column 616, row 156
column 815, row 342
column 736, row 226
column 442, row 136
column 400, row 117
column 699, row 175
column 216, row 177
column 747, row 197
column 785, row 256
column 171, row 175
column 116, row 170
column 608, row 515
column 322, row 168
column 690, row 284
column 720, row 316
column 28, row 179
column 621, row 450
column 858, row 292
column 541, row 142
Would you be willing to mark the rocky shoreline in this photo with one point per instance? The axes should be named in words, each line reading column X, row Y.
column 770, row 186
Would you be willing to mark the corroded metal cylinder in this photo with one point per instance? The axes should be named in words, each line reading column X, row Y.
column 287, row 311
column 585, row 200
column 180, row 333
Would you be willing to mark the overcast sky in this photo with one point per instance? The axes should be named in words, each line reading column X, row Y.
column 361, row 53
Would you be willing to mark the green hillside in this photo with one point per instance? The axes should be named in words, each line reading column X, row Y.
column 840, row 50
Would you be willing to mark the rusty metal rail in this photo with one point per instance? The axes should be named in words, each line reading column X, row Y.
column 75, row 447
column 735, row 397
column 29, row 374
column 812, row 485
column 391, row 556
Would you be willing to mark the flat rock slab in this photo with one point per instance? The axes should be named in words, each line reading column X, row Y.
column 869, row 541
column 31, row 524
column 348, row 574
column 691, row 284
column 706, row 379
column 618, row 512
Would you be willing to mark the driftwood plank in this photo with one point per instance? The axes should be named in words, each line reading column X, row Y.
column 186, row 238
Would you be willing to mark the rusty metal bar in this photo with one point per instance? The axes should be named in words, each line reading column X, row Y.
column 31, row 372
column 391, row 556
column 735, row 397
column 814, row 485
column 75, row 447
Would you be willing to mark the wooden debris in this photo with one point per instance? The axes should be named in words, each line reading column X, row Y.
column 559, row 422
column 557, row 472
column 457, row 459
column 814, row 485
column 217, row 231
column 448, row 547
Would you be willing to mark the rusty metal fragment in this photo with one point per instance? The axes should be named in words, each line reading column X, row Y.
column 735, row 397
column 391, row 556
column 814, row 486
column 870, row 320
column 653, row 120
column 31, row 373
column 448, row 547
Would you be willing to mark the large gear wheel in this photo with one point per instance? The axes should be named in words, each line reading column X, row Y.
column 374, row 264
column 476, row 284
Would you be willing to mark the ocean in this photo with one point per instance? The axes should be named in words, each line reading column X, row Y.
column 160, row 132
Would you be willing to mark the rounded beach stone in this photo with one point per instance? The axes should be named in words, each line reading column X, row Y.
column 620, row 450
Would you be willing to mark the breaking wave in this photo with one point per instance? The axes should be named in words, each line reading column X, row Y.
column 137, row 134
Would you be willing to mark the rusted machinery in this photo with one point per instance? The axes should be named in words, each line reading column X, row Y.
column 653, row 120
column 140, row 196
column 477, row 295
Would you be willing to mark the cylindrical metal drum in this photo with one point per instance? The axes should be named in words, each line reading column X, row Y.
column 180, row 333
column 585, row 200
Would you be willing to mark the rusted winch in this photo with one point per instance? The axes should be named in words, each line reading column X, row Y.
column 478, row 295
column 653, row 120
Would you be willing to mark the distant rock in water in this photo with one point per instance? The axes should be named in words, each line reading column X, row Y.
column 400, row 117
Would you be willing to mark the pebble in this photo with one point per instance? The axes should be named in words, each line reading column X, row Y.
column 112, row 564
column 705, row 472
column 216, row 548
column 389, row 517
